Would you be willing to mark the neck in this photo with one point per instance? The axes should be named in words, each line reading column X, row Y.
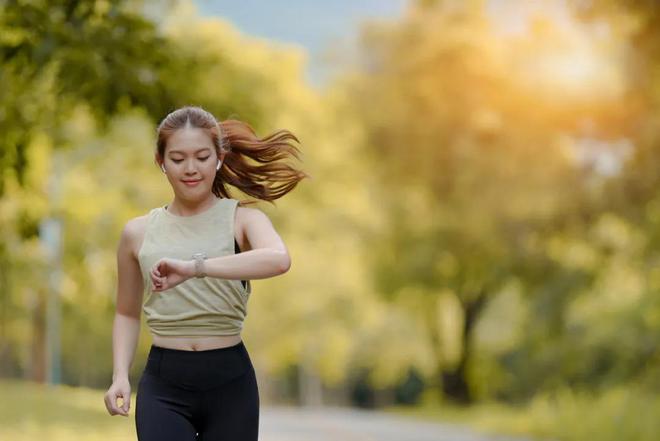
column 187, row 207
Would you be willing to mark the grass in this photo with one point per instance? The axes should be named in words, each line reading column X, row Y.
column 620, row 414
column 32, row 411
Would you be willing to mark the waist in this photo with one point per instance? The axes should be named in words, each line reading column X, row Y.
column 198, row 343
column 198, row 370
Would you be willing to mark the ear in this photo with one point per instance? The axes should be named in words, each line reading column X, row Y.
column 160, row 163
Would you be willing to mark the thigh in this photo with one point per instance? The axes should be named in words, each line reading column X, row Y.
column 162, row 413
column 231, row 412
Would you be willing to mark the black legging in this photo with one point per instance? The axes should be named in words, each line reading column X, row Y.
column 198, row 395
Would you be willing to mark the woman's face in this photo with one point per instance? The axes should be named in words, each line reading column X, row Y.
column 190, row 163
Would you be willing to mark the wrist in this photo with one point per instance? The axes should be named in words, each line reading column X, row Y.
column 120, row 377
column 189, row 268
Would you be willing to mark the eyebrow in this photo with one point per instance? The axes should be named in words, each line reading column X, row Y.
column 198, row 150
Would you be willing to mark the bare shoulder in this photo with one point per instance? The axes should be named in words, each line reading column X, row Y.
column 247, row 213
column 133, row 233
column 246, row 217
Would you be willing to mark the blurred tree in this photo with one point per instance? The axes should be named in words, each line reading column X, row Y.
column 57, row 54
column 633, row 200
column 636, row 25
column 476, row 167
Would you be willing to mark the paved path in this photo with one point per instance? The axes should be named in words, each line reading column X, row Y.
column 344, row 424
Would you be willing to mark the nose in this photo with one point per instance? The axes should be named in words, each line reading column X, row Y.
column 190, row 167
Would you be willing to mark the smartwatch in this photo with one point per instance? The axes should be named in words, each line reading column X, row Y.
column 199, row 265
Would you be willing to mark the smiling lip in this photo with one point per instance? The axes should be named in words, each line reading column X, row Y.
column 192, row 183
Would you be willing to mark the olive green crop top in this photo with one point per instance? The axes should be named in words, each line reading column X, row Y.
column 199, row 306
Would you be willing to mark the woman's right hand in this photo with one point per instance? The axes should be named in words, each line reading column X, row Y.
column 120, row 388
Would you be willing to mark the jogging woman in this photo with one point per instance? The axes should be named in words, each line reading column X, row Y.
column 194, row 257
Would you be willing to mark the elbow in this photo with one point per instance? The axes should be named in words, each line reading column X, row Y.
column 284, row 263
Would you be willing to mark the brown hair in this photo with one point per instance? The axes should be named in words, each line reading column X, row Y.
column 268, row 181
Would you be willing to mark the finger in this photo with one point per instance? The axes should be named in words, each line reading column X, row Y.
column 112, row 409
column 127, row 405
column 120, row 409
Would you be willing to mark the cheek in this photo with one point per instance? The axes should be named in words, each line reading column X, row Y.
column 209, row 169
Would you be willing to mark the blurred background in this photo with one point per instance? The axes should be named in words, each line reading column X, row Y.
column 479, row 242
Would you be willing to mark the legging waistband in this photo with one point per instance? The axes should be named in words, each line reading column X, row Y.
column 183, row 352
column 198, row 369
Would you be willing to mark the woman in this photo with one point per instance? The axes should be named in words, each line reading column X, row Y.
column 199, row 379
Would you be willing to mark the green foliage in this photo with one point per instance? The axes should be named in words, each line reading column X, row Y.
column 626, row 411
column 55, row 55
column 451, row 227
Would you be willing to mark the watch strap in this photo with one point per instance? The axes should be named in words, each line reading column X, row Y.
column 200, row 270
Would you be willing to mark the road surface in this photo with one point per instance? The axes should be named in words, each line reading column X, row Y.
column 345, row 424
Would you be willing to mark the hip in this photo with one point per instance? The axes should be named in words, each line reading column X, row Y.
column 198, row 370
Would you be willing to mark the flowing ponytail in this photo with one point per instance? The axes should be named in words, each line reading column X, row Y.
column 267, row 180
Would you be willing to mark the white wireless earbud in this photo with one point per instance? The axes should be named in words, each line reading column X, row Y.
column 162, row 166
column 218, row 166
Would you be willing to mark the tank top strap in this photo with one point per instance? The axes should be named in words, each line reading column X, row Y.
column 151, row 216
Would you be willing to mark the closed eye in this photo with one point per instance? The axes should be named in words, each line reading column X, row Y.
column 179, row 160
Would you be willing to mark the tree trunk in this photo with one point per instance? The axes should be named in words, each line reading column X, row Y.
column 455, row 386
column 37, row 367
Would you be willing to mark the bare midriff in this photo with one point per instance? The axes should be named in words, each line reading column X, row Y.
column 201, row 343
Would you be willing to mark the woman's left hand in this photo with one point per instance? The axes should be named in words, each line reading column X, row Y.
column 168, row 273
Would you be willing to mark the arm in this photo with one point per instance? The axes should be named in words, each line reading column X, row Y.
column 126, row 326
column 126, row 329
column 267, row 258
